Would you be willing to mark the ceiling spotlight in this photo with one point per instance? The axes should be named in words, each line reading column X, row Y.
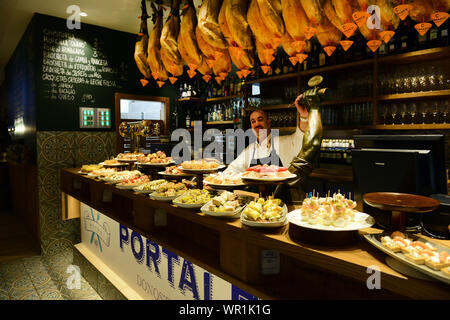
column 83, row 14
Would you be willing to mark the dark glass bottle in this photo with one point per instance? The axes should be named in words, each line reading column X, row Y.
column 278, row 64
column 332, row 60
column 433, row 37
column 358, row 47
column 322, row 59
column 406, row 39
column 315, row 50
column 443, row 33
column 422, row 41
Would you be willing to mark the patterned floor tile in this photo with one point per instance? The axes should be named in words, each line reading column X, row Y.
column 4, row 295
column 34, row 264
column 12, row 267
column 21, row 282
column 25, row 295
column 50, row 294
column 41, row 280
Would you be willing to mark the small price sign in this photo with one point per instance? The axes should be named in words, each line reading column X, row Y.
column 374, row 45
column 349, row 29
column 360, row 17
column 402, row 11
column 346, row 44
column 386, row 36
column 329, row 50
column 439, row 18
column 423, row 27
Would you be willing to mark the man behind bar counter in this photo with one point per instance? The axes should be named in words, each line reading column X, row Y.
column 280, row 152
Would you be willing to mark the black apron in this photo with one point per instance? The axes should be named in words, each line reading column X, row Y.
column 266, row 160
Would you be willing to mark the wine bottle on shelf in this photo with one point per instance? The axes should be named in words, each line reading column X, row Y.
column 235, row 115
column 422, row 41
column 443, row 31
column 214, row 91
column 358, row 47
column 315, row 47
column 322, row 59
column 278, row 68
column 433, row 40
column 188, row 119
column 181, row 91
column 175, row 117
column 232, row 82
column 383, row 50
column 340, row 54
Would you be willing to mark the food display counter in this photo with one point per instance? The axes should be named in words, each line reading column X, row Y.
column 267, row 263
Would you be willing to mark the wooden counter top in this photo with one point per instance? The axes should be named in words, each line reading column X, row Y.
column 232, row 251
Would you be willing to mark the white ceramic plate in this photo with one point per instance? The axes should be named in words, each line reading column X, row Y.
column 361, row 221
column 174, row 175
column 128, row 186
column 218, row 186
column 142, row 191
column 127, row 160
column 111, row 181
column 227, row 214
column 113, row 165
column 202, row 170
column 270, row 179
column 187, row 205
column 374, row 239
column 155, row 164
column 275, row 224
column 154, row 196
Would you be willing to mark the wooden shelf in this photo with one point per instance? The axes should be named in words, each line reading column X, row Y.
column 219, row 122
column 347, row 101
column 274, row 107
column 192, row 99
column 433, row 126
column 339, row 67
column 284, row 129
column 274, row 78
column 421, row 55
column 415, row 95
column 223, row 98
column 347, row 128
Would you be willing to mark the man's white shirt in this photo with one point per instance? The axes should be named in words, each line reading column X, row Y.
column 287, row 147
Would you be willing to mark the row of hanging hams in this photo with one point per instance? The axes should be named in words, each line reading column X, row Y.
column 226, row 32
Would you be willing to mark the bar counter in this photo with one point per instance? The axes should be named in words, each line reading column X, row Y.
column 232, row 251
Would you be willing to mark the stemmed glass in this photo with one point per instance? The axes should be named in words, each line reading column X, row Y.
column 399, row 81
column 413, row 111
column 422, row 80
column 275, row 119
column 393, row 110
column 381, row 114
column 446, row 110
column 408, row 80
column 431, row 78
column 406, row 116
column 438, row 115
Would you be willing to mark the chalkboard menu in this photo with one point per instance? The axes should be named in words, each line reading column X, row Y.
column 81, row 68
